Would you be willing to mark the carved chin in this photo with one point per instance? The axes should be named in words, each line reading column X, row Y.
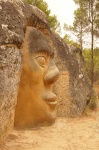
column 50, row 100
column 51, row 117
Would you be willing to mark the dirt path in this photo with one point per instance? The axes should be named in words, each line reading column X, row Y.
column 66, row 134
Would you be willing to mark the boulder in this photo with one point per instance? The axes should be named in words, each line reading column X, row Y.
column 15, row 16
column 73, row 89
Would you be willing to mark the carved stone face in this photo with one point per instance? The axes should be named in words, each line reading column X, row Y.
column 36, row 101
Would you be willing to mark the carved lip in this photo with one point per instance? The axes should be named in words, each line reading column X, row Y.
column 50, row 98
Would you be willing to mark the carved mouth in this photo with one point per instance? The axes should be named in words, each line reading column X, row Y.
column 50, row 98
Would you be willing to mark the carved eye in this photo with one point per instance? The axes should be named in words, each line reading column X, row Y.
column 41, row 60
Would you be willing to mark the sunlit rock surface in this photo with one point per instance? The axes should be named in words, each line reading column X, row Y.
column 72, row 88
column 15, row 16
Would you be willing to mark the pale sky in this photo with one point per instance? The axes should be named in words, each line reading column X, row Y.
column 63, row 9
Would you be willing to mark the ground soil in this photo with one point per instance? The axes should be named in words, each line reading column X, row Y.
column 80, row 133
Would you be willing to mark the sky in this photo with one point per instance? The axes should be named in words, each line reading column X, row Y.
column 63, row 9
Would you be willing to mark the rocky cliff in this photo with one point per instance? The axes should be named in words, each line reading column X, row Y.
column 72, row 88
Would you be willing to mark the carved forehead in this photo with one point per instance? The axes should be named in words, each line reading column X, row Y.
column 37, row 41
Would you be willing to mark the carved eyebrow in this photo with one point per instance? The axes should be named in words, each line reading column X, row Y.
column 50, row 52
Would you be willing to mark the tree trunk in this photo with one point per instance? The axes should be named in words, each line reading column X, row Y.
column 92, row 41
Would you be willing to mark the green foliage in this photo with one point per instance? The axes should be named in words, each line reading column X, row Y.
column 92, row 13
column 80, row 20
column 68, row 40
column 80, row 25
column 86, row 16
column 87, row 57
column 53, row 23
column 52, row 19
column 86, row 20
column 28, row 1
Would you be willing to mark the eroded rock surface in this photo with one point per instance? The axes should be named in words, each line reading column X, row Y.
column 15, row 16
column 72, row 88
column 10, row 60
column 36, row 102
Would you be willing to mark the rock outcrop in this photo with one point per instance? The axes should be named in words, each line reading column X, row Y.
column 72, row 88
column 15, row 16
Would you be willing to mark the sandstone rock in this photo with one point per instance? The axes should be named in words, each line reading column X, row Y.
column 14, row 17
column 10, row 63
column 72, row 88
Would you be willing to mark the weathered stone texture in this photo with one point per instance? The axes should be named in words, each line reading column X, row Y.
column 73, row 89
column 14, row 17
column 10, row 60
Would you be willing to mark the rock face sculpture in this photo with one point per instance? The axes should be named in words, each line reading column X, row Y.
column 16, row 19
column 36, row 102
column 27, row 70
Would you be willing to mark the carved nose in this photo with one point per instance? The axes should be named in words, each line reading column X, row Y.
column 52, row 75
